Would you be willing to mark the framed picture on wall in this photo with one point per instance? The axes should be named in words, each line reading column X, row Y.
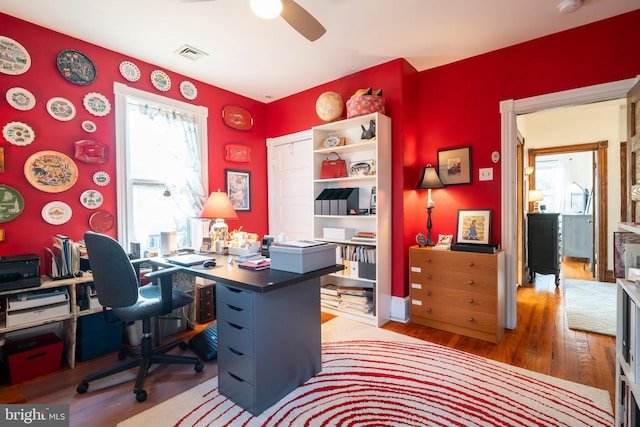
column 238, row 185
column 454, row 166
column 474, row 226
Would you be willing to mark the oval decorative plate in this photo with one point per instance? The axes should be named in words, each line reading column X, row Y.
column 237, row 117
column 97, row 104
column 21, row 99
column 15, row 58
column 160, row 80
column 50, row 171
column 91, row 199
column 130, row 71
column 11, row 203
column 89, row 126
column 102, row 221
column 101, row 178
column 56, row 213
column 188, row 90
column 61, row 109
column 18, row 133
column 76, row 67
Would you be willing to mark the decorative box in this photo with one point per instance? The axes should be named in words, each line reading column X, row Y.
column 365, row 104
column 302, row 259
column 337, row 233
column 32, row 357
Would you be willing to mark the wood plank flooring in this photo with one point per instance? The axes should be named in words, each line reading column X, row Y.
column 542, row 343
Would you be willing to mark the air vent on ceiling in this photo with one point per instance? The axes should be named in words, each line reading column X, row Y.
column 191, row 52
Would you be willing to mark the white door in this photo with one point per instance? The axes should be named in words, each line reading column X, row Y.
column 290, row 177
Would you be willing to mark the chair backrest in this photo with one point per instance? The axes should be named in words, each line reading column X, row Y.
column 114, row 277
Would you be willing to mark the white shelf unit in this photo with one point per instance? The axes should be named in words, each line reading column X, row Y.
column 628, row 348
column 357, row 150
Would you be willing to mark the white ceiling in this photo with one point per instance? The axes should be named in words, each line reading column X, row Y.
column 267, row 59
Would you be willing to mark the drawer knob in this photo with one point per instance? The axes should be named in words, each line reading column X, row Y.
column 470, row 300
column 470, row 263
column 429, row 310
column 471, row 319
column 429, row 293
column 428, row 276
column 470, row 282
column 428, row 259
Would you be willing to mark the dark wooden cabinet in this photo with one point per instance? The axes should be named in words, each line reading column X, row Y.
column 205, row 302
column 543, row 253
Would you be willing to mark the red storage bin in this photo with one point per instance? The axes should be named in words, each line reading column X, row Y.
column 34, row 356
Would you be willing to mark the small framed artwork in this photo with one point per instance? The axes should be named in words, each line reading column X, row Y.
column 332, row 141
column 239, row 189
column 362, row 168
column 454, row 166
column 474, row 226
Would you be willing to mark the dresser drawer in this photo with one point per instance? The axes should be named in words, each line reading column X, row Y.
column 239, row 364
column 427, row 260
column 233, row 296
column 239, row 316
column 473, row 301
column 468, row 319
column 237, row 390
column 454, row 280
column 236, row 337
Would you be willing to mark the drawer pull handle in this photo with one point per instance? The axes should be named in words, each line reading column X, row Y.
column 470, row 282
column 470, row 300
column 429, row 310
column 235, row 377
column 428, row 259
column 233, row 325
column 429, row 293
column 234, row 308
column 470, row 263
column 234, row 351
column 234, row 290
column 428, row 276
column 471, row 319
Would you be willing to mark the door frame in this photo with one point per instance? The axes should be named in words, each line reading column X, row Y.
column 509, row 109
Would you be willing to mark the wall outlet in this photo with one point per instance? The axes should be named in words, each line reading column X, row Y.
column 486, row 174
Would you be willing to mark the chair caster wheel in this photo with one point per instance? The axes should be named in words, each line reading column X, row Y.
column 198, row 367
column 183, row 346
column 82, row 388
column 141, row 396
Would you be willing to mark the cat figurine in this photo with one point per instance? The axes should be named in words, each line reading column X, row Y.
column 370, row 133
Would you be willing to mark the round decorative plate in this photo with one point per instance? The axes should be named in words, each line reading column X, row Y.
column 160, row 80
column 18, row 133
column 21, row 99
column 130, row 71
column 76, row 67
column 91, row 199
column 97, row 104
column 89, row 126
column 101, row 178
column 102, row 221
column 56, row 213
column 11, row 203
column 188, row 90
column 50, row 171
column 61, row 109
column 15, row 59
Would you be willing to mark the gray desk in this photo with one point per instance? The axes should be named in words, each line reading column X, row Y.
column 268, row 331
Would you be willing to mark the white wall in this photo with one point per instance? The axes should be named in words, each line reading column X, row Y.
column 579, row 125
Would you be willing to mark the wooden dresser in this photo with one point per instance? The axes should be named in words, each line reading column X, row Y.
column 459, row 292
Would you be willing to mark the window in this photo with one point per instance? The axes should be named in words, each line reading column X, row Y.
column 161, row 157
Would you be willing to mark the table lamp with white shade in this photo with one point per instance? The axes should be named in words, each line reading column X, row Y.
column 429, row 180
column 218, row 207
column 535, row 197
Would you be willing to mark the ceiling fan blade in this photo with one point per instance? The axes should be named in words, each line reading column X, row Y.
column 301, row 20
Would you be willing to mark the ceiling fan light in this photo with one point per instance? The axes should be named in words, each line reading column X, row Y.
column 266, row 9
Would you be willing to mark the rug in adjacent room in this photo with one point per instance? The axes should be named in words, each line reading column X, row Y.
column 371, row 376
column 591, row 306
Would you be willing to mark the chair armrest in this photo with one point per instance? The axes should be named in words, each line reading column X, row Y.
column 163, row 278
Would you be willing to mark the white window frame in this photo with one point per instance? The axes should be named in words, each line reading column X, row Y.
column 121, row 92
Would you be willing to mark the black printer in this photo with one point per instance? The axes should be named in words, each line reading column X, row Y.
column 19, row 272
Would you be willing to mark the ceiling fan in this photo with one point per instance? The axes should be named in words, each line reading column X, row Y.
column 294, row 14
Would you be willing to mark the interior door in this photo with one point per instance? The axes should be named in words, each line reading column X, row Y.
column 290, row 178
column 633, row 144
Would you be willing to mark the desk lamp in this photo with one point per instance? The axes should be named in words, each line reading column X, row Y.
column 218, row 207
column 428, row 181
column 535, row 197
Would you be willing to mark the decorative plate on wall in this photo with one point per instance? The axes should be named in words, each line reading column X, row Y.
column 50, row 171
column 97, row 104
column 101, row 178
column 91, row 199
column 76, row 67
column 61, row 109
column 89, row 126
column 91, row 151
column 18, row 133
column 188, row 90
column 237, row 117
column 15, row 58
column 102, row 221
column 56, row 213
column 21, row 99
column 11, row 203
column 160, row 80
column 130, row 71
column 237, row 153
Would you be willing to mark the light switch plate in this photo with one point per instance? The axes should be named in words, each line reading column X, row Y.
column 486, row 174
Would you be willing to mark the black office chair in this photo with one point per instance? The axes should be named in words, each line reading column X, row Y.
column 118, row 288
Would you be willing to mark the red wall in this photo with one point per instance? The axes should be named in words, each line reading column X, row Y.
column 29, row 232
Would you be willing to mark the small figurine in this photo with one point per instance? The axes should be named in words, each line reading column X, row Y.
column 370, row 133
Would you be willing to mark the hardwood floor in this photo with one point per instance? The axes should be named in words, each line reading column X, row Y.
column 542, row 343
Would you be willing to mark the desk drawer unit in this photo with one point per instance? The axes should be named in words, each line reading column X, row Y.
column 459, row 292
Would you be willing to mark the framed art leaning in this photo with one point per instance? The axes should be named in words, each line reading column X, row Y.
column 474, row 226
